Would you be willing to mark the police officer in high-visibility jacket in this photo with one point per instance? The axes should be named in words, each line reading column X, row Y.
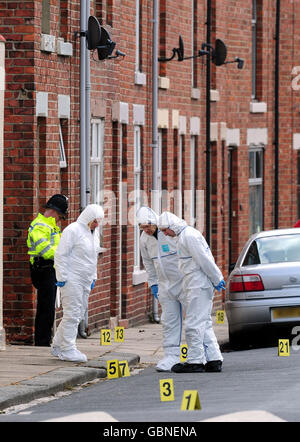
column 42, row 241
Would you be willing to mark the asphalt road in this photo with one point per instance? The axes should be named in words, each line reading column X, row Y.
column 252, row 381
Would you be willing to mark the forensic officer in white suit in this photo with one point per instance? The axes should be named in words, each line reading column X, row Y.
column 201, row 276
column 159, row 254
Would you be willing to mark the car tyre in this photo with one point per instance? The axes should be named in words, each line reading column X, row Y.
column 236, row 341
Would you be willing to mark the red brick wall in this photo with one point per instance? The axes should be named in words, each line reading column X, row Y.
column 31, row 156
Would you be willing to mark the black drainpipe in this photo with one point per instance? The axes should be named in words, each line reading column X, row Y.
column 208, row 157
column 276, row 140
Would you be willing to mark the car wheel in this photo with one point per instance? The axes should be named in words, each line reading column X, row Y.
column 236, row 341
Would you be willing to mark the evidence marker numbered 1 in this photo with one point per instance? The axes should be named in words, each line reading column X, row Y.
column 283, row 347
column 166, row 387
column 105, row 337
column 190, row 400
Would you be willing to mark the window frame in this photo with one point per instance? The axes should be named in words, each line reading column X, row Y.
column 255, row 181
column 97, row 161
column 62, row 159
column 137, row 152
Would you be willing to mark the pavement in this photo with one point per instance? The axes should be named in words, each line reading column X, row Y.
column 28, row 373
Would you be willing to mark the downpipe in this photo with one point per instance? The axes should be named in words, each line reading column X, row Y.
column 83, row 328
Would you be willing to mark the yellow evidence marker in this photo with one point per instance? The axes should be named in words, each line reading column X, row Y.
column 113, row 369
column 166, row 390
column 105, row 337
column 183, row 352
column 220, row 316
column 123, row 369
column 190, row 400
column 283, row 347
column 119, row 334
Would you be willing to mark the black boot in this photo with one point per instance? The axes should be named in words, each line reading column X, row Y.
column 188, row 368
column 213, row 366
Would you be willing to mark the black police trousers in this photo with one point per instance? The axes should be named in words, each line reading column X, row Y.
column 44, row 280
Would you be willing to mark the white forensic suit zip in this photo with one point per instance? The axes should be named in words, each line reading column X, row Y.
column 201, row 274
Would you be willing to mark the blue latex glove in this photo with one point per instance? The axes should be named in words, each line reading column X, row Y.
column 154, row 290
column 221, row 285
column 93, row 284
column 60, row 283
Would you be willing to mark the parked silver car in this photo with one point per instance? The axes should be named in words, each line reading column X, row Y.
column 263, row 290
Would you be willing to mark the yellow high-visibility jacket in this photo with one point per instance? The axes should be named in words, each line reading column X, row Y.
column 43, row 237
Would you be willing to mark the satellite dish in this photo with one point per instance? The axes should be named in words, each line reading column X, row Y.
column 180, row 49
column 105, row 46
column 220, row 53
column 93, row 33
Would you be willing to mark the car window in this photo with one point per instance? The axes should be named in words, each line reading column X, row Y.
column 274, row 249
column 252, row 256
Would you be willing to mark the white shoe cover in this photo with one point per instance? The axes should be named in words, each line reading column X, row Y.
column 167, row 362
column 72, row 355
column 55, row 351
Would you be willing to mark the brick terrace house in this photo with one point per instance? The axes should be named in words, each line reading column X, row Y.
column 254, row 133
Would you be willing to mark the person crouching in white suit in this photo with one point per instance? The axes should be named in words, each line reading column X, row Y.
column 160, row 259
column 201, row 276
column 75, row 263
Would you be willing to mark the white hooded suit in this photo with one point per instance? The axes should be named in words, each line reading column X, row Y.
column 161, row 262
column 75, row 264
column 201, row 274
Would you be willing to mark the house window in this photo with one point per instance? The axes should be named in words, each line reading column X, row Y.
column 255, row 189
column 63, row 19
column 62, row 159
column 45, row 16
column 138, row 36
column 137, row 194
column 180, row 174
column 193, row 180
column 194, row 45
column 162, row 36
column 257, row 49
column 96, row 161
column 159, row 169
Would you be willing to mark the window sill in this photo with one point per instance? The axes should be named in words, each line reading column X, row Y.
column 139, row 78
column 48, row 43
column 163, row 82
column 139, row 277
column 195, row 94
column 258, row 107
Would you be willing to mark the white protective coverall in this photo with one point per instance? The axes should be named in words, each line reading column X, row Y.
column 161, row 262
column 201, row 274
column 75, row 263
